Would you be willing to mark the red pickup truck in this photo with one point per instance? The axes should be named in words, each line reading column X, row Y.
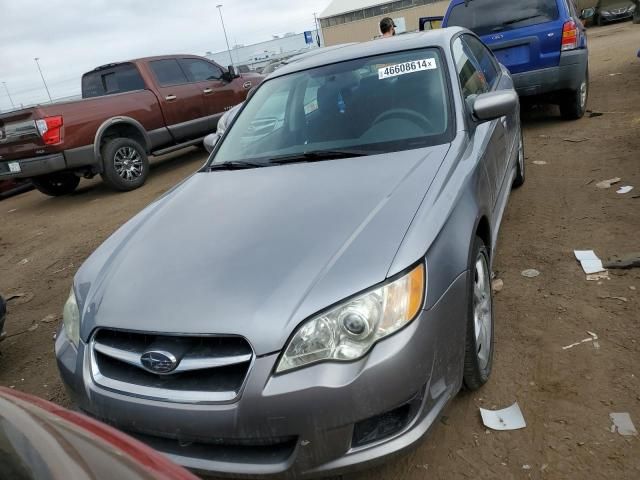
column 129, row 110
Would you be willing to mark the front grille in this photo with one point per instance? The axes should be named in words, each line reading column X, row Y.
column 253, row 452
column 194, row 369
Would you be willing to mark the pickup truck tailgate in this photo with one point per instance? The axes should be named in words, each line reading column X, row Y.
column 19, row 135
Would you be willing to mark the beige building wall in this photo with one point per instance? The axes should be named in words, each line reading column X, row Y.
column 367, row 29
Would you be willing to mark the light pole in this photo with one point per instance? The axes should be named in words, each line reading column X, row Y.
column 219, row 7
column 43, row 80
column 315, row 17
column 8, row 94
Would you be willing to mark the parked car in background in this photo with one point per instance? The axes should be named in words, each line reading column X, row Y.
column 314, row 296
column 543, row 43
column 226, row 119
column 129, row 110
column 40, row 440
column 607, row 11
column 3, row 314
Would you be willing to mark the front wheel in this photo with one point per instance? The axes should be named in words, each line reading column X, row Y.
column 125, row 164
column 574, row 106
column 56, row 184
column 478, row 358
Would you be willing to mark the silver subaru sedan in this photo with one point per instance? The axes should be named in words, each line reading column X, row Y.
column 310, row 300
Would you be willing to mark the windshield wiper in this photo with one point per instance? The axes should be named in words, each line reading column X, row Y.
column 515, row 20
column 319, row 155
column 235, row 165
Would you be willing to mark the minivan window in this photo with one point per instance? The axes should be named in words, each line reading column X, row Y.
column 375, row 104
column 484, row 17
column 109, row 81
column 168, row 72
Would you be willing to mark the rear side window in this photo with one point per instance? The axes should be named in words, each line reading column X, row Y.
column 109, row 81
column 484, row 17
column 484, row 58
column 168, row 72
column 472, row 80
column 199, row 70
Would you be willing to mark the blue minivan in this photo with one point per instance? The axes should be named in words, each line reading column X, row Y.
column 542, row 42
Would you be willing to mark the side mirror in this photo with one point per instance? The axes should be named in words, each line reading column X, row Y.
column 230, row 74
column 493, row 105
column 210, row 141
column 587, row 13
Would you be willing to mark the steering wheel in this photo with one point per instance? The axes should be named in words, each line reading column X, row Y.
column 405, row 113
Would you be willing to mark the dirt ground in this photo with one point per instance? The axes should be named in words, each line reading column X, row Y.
column 566, row 395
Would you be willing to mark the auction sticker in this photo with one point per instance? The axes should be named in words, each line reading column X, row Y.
column 407, row 67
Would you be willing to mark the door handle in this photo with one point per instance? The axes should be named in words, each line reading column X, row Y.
column 207, row 90
column 168, row 98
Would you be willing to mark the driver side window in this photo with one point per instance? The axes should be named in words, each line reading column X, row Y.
column 472, row 79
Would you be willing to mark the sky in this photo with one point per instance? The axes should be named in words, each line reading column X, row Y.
column 71, row 37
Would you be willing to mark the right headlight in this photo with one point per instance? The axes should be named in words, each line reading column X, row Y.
column 348, row 331
column 71, row 319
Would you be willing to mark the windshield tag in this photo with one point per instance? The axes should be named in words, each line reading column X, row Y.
column 407, row 67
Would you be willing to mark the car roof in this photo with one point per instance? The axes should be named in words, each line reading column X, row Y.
column 433, row 38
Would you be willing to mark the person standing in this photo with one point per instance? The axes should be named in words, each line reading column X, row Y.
column 387, row 27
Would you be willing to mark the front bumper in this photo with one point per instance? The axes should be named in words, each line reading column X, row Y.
column 568, row 75
column 612, row 17
column 298, row 424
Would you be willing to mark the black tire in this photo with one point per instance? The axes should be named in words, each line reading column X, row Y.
column 520, row 172
column 56, row 184
column 477, row 367
column 125, row 164
column 574, row 106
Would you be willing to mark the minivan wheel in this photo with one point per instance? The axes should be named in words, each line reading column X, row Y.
column 518, row 181
column 575, row 105
column 125, row 164
column 56, row 184
column 478, row 358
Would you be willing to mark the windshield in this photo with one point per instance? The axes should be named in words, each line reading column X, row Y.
column 373, row 105
column 489, row 16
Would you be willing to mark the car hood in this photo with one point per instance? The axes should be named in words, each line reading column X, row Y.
column 255, row 252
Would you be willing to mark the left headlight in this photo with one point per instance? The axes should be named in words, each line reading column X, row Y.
column 71, row 319
column 348, row 331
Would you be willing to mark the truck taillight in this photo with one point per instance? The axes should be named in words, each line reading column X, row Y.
column 50, row 129
column 570, row 35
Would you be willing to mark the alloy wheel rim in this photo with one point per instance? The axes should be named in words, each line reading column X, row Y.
column 583, row 94
column 482, row 318
column 128, row 163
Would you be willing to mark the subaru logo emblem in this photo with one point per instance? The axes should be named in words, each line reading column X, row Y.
column 159, row 362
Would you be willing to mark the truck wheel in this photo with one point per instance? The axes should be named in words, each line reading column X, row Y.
column 56, row 184
column 125, row 164
column 575, row 105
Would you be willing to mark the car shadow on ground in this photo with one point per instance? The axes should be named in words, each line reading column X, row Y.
column 161, row 168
